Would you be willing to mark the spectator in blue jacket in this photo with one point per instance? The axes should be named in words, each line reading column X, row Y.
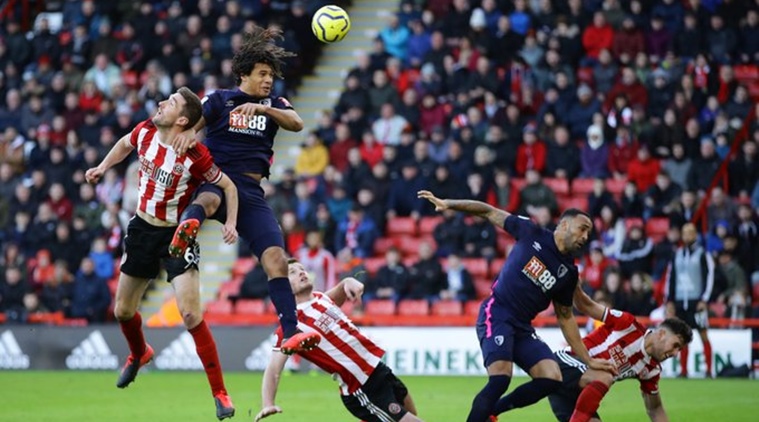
column 357, row 233
column 91, row 296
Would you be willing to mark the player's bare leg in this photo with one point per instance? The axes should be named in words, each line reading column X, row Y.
column 274, row 261
column 128, row 295
column 187, row 290
column 204, row 206
column 408, row 404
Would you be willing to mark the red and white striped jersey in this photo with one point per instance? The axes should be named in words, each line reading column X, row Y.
column 343, row 352
column 622, row 339
column 167, row 181
column 321, row 263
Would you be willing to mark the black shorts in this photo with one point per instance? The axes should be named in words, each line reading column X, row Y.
column 146, row 245
column 380, row 399
column 563, row 401
column 696, row 320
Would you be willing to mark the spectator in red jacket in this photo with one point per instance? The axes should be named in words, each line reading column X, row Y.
column 531, row 154
column 621, row 152
column 628, row 42
column 598, row 36
column 643, row 169
column 630, row 86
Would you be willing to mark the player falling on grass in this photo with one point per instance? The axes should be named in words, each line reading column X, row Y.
column 636, row 352
column 369, row 389
column 539, row 270
column 240, row 128
column 166, row 183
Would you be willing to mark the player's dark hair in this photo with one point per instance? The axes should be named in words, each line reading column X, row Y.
column 292, row 261
column 192, row 109
column 258, row 47
column 679, row 328
column 574, row 212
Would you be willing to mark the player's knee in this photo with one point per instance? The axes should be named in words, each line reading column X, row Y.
column 122, row 312
column 275, row 262
column 192, row 318
column 209, row 202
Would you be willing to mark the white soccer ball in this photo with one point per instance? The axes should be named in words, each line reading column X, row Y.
column 330, row 24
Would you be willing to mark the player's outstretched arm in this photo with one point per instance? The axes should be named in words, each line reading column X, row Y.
column 347, row 289
column 117, row 154
column 655, row 408
column 496, row 216
column 571, row 333
column 269, row 386
column 588, row 306
column 229, row 229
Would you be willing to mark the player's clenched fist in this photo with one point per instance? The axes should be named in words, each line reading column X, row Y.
column 93, row 175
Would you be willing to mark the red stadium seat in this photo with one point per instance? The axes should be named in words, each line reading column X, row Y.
column 633, row 222
column 413, row 307
column 447, row 307
column 482, row 286
column 559, row 186
column 582, row 187
column 243, row 266
column 746, row 72
column 477, row 267
column 756, row 293
column 373, row 265
column 718, row 309
column 427, row 225
column 615, row 186
column 579, row 202
column 230, row 288
column 382, row 244
column 380, row 307
column 219, row 307
column 656, row 228
column 401, row 226
column 495, row 267
column 250, row 307
column 518, row 184
column 348, row 307
column 472, row 307
column 410, row 245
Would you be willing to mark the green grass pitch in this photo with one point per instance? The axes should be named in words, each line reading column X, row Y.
column 184, row 397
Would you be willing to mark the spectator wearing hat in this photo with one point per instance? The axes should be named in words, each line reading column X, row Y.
column 531, row 154
column 595, row 154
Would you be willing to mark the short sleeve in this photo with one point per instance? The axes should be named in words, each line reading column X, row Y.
column 651, row 385
column 134, row 136
column 565, row 296
column 202, row 166
column 618, row 320
column 282, row 103
column 518, row 226
column 212, row 106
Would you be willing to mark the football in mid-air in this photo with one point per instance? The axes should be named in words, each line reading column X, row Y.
column 330, row 24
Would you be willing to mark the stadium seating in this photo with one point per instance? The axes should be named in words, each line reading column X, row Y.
column 657, row 227
column 559, row 186
column 219, row 307
column 413, row 307
column 383, row 244
column 616, row 186
column 373, row 264
column 477, row 267
column 472, row 307
column 482, row 286
column 495, row 267
column 243, row 266
column 579, row 202
column 250, row 307
column 582, row 187
column 447, row 307
column 427, row 225
column 404, row 226
column 380, row 307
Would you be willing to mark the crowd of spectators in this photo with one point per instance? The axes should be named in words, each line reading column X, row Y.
column 492, row 100
column 75, row 80
column 479, row 99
